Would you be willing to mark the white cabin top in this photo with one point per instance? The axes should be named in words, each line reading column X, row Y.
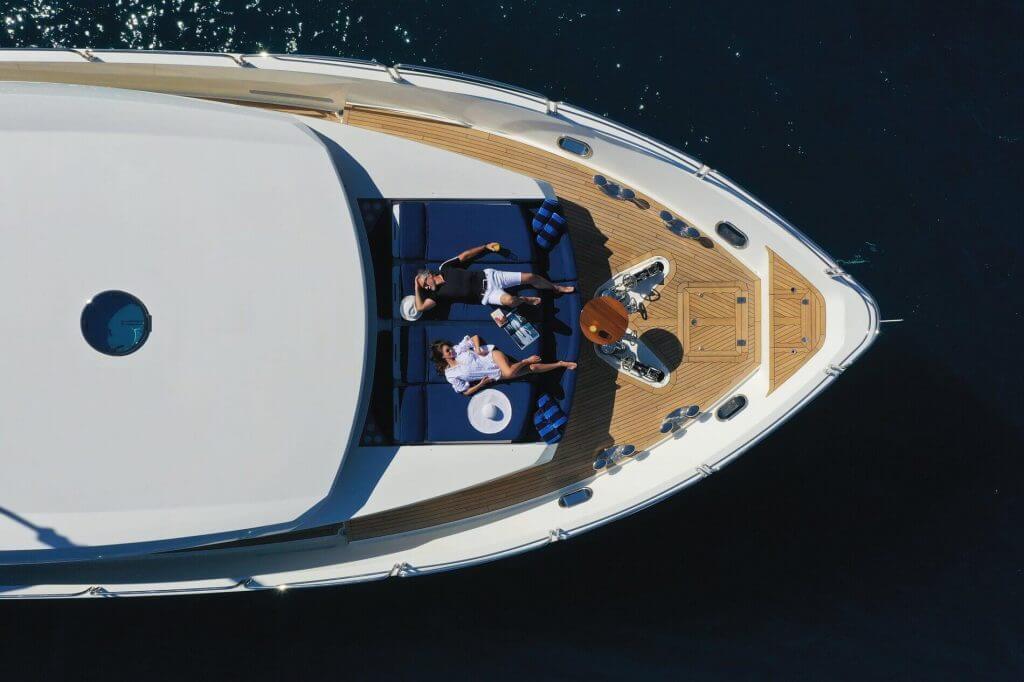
column 231, row 226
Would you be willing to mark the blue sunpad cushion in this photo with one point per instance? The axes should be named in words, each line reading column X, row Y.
column 410, row 358
column 447, row 414
column 410, row 414
column 568, row 386
column 454, row 226
column 565, row 327
column 561, row 265
column 408, row 230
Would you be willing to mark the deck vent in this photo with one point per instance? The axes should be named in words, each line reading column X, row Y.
column 732, row 407
column 574, row 146
column 575, row 497
column 731, row 234
column 115, row 323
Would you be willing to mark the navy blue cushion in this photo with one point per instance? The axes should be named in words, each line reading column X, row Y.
column 410, row 414
column 565, row 327
column 410, row 356
column 453, row 227
column 448, row 420
column 560, row 264
column 544, row 242
column 408, row 230
column 568, row 386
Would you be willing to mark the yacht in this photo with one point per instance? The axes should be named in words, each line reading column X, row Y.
column 218, row 375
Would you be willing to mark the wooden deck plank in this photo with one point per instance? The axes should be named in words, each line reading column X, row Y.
column 797, row 320
column 608, row 235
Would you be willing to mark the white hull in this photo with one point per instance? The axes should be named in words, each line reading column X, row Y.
column 679, row 182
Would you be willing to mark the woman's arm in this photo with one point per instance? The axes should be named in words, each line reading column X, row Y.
column 480, row 384
column 476, row 345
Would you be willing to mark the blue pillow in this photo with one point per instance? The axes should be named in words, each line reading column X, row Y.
column 549, row 419
column 548, row 237
column 541, row 219
column 558, row 222
column 544, row 213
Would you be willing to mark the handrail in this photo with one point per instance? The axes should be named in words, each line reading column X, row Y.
column 657, row 144
column 468, row 78
column 302, row 58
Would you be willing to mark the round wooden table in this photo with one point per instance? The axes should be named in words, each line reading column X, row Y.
column 603, row 320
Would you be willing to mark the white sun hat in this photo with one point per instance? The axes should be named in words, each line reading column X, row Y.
column 489, row 411
column 408, row 308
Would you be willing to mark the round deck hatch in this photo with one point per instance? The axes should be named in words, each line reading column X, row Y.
column 115, row 323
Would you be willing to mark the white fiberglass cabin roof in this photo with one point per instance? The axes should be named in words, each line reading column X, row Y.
column 232, row 227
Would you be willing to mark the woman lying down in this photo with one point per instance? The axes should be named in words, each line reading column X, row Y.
column 470, row 366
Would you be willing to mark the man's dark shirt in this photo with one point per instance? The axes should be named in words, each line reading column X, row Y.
column 459, row 284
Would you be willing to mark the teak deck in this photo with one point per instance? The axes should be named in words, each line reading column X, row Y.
column 797, row 320
column 608, row 235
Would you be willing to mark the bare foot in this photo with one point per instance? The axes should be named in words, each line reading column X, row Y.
column 532, row 300
column 532, row 359
column 568, row 365
column 564, row 289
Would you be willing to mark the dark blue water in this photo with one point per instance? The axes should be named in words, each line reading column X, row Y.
column 878, row 534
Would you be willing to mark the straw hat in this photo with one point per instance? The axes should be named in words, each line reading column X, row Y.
column 489, row 411
column 408, row 308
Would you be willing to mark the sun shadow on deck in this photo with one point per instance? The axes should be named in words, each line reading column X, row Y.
column 665, row 345
column 591, row 415
column 46, row 536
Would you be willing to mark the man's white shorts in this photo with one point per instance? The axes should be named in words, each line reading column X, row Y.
column 497, row 281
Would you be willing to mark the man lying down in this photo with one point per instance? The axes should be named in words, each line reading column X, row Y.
column 488, row 286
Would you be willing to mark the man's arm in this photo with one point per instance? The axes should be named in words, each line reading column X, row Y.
column 470, row 254
column 423, row 304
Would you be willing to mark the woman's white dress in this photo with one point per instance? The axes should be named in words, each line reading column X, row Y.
column 472, row 367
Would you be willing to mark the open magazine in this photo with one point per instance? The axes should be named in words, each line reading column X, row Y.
column 521, row 331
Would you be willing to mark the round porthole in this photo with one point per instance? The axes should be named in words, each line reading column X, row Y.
column 115, row 323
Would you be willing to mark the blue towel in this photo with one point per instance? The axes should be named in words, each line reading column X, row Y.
column 549, row 419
